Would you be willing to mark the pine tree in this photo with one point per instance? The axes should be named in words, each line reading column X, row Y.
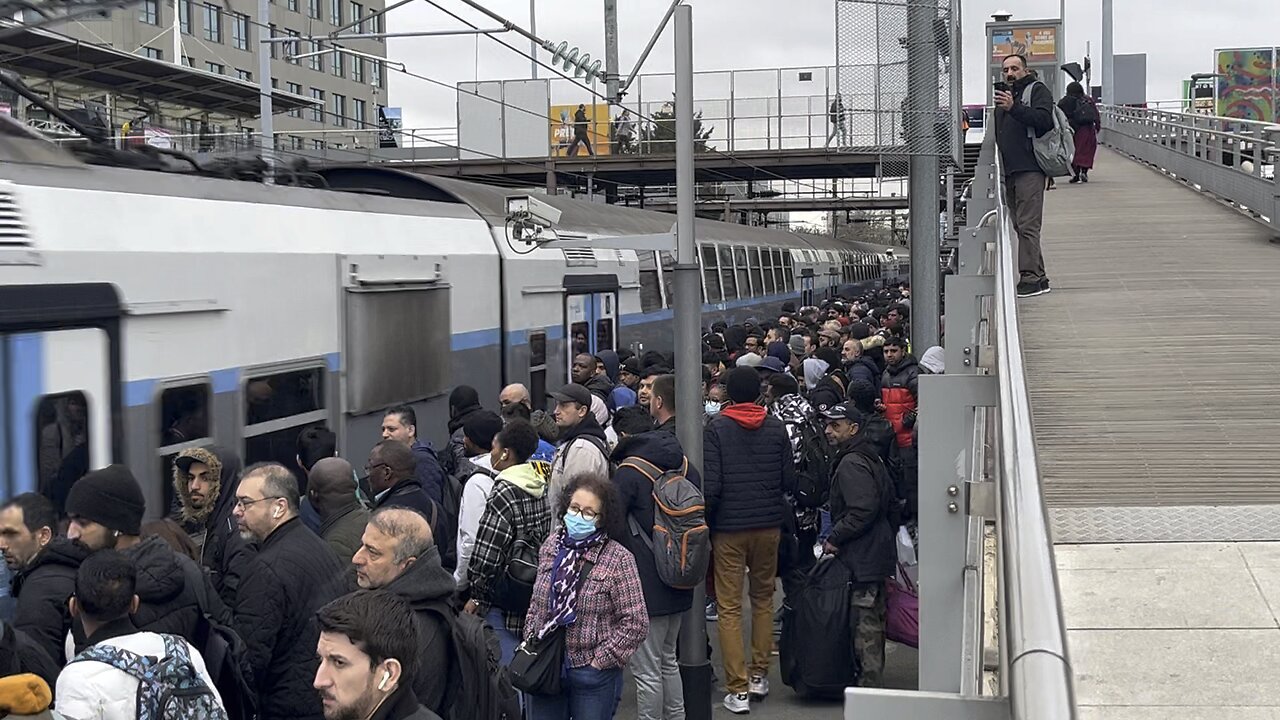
column 659, row 136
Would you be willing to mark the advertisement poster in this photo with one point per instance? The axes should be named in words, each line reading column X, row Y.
column 579, row 130
column 1037, row 45
column 389, row 120
column 1247, row 84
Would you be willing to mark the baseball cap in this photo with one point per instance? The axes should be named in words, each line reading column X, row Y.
column 573, row 393
column 631, row 365
column 771, row 364
column 843, row 411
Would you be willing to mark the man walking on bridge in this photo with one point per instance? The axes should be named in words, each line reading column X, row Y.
column 1024, row 181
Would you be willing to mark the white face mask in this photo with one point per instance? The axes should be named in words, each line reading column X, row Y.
column 712, row 407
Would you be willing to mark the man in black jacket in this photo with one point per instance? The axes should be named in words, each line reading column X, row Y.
column 205, row 481
column 397, row 555
column 1024, row 181
column 105, row 508
column 643, row 458
column 861, row 535
column 44, row 568
column 293, row 574
column 748, row 469
column 391, row 471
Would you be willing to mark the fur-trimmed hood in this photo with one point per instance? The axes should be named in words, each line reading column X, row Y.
column 224, row 467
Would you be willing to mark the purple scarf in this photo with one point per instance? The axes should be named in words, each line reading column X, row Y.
column 567, row 579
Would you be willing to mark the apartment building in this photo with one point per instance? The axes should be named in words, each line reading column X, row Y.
column 223, row 37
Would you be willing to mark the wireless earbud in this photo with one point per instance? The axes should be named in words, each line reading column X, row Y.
column 386, row 677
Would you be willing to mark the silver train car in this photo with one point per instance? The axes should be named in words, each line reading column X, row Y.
column 143, row 312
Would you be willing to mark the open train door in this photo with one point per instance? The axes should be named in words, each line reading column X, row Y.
column 61, row 397
column 590, row 316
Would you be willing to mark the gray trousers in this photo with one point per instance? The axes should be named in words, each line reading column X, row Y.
column 1025, row 191
column 659, row 694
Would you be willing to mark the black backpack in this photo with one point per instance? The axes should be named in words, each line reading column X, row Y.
column 479, row 687
column 223, row 652
column 813, row 473
column 1086, row 113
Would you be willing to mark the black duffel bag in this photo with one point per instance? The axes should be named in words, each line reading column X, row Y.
column 815, row 652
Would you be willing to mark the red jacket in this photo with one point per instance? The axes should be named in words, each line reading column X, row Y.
column 898, row 392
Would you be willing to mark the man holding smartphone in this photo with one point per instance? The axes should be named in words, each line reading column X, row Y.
column 1024, row 181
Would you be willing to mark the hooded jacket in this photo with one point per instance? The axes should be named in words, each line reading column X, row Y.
column 898, row 392
column 635, row 496
column 1012, row 126
column 292, row 576
column 747, row 469
column 861, row 496
column 427, row 587
column 42, row 589
column 222, row 550
column 578, row 454
column 829, row 391
column 864, row 368
column 464, row 402
column 600, row 386
column 517, row 507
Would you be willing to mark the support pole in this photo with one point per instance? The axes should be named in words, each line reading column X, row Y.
column 533, row 44
column 611, row 50
column 1108, row 53
column 266, row 127
column 695, row 668
column 924, row 176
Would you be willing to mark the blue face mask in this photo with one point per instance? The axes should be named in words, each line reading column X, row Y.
column 578, row 526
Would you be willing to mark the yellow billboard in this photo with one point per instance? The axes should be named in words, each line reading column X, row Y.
column 579, row 130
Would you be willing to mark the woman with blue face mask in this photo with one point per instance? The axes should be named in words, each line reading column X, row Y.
column 588, row 587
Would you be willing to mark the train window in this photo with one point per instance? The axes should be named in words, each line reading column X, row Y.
column 740, row 268
column 668, row 275
column 757, row 280
column 277, row 408
column 538, row 364
column 184, row 423
column 62, row 444
column 650, row 290
column 579, row 334
column 710, row 276
column 726, row 273
column 766, row 266
column 780, row 270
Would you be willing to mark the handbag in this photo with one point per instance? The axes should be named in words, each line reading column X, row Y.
column 538, row 664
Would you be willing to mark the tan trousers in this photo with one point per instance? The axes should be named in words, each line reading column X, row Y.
column 754, row 552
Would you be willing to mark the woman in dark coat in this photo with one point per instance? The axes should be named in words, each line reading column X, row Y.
column 1083, row 116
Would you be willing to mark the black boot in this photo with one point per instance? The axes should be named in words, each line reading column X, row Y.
column 1084, row 175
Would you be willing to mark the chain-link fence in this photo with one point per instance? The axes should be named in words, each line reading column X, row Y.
column 878, row 96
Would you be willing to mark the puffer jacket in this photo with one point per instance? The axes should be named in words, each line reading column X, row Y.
column 635, row 496
column 898, row 392
column 222, row 550
column 861, row 497
column 42, row 589
column 864, row 368
column 747, row 469
column 428, row 588
column 429, row 471
column 292, row 576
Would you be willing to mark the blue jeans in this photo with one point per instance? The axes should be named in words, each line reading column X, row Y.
column 507, row 640
column 585, row 694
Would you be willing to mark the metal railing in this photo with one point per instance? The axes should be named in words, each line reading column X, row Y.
column 1230, row 158
column 978, row 473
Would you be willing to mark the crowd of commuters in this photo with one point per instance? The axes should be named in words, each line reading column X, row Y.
column 322, row 591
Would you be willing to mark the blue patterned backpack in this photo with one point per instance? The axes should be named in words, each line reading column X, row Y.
column 169, row 687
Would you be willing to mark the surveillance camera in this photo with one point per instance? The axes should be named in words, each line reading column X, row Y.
column 530, row 209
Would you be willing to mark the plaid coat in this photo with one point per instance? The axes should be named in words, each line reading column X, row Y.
column 511, row 511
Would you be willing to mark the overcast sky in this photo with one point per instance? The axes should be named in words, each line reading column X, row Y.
column 1178, row 36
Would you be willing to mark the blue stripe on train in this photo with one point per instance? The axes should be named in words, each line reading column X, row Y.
column 26, row 385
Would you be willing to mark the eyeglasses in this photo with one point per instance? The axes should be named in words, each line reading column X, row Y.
column 584, row 513
column 247, row 503
column 368, row 469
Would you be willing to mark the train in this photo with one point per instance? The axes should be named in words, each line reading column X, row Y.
column 145, row 312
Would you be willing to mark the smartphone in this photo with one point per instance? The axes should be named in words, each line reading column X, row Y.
column 1002, row 86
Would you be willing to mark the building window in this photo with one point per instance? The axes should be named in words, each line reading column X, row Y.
column 245, row 74
column 375, row 25
column 317, row 144
column 317, row 111
column 292, row 48
column 188, row 61
column 216, row 68
column 293, row 5
column 184, row 15
column 335, row 64
column 315, row 62
column 339, row 110
column 357, row 12
column 149, row 13
column 240, row 31
column 213, row 23
column 313, row 9
column 271, row 29
column 278, row 407
column 357, row 68
column 375, row 70
column 335, row 12
column 153, row 53
column 358, row 115
column 295, row 142
column 296, row 89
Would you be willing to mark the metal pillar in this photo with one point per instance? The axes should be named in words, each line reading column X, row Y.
column 924, row 174
column 266, row 126
column 533, row 44
column 1108, row 53
column 611, row 50
column 695, row 668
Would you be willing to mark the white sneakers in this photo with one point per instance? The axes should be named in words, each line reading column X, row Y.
column 759, row 687
column 739, row 703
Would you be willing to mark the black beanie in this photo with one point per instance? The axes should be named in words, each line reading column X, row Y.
column 743, row 384
column 463, row 396
column 829, row 356
column 481, row 428
column 109, row 497
column 863, row 394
